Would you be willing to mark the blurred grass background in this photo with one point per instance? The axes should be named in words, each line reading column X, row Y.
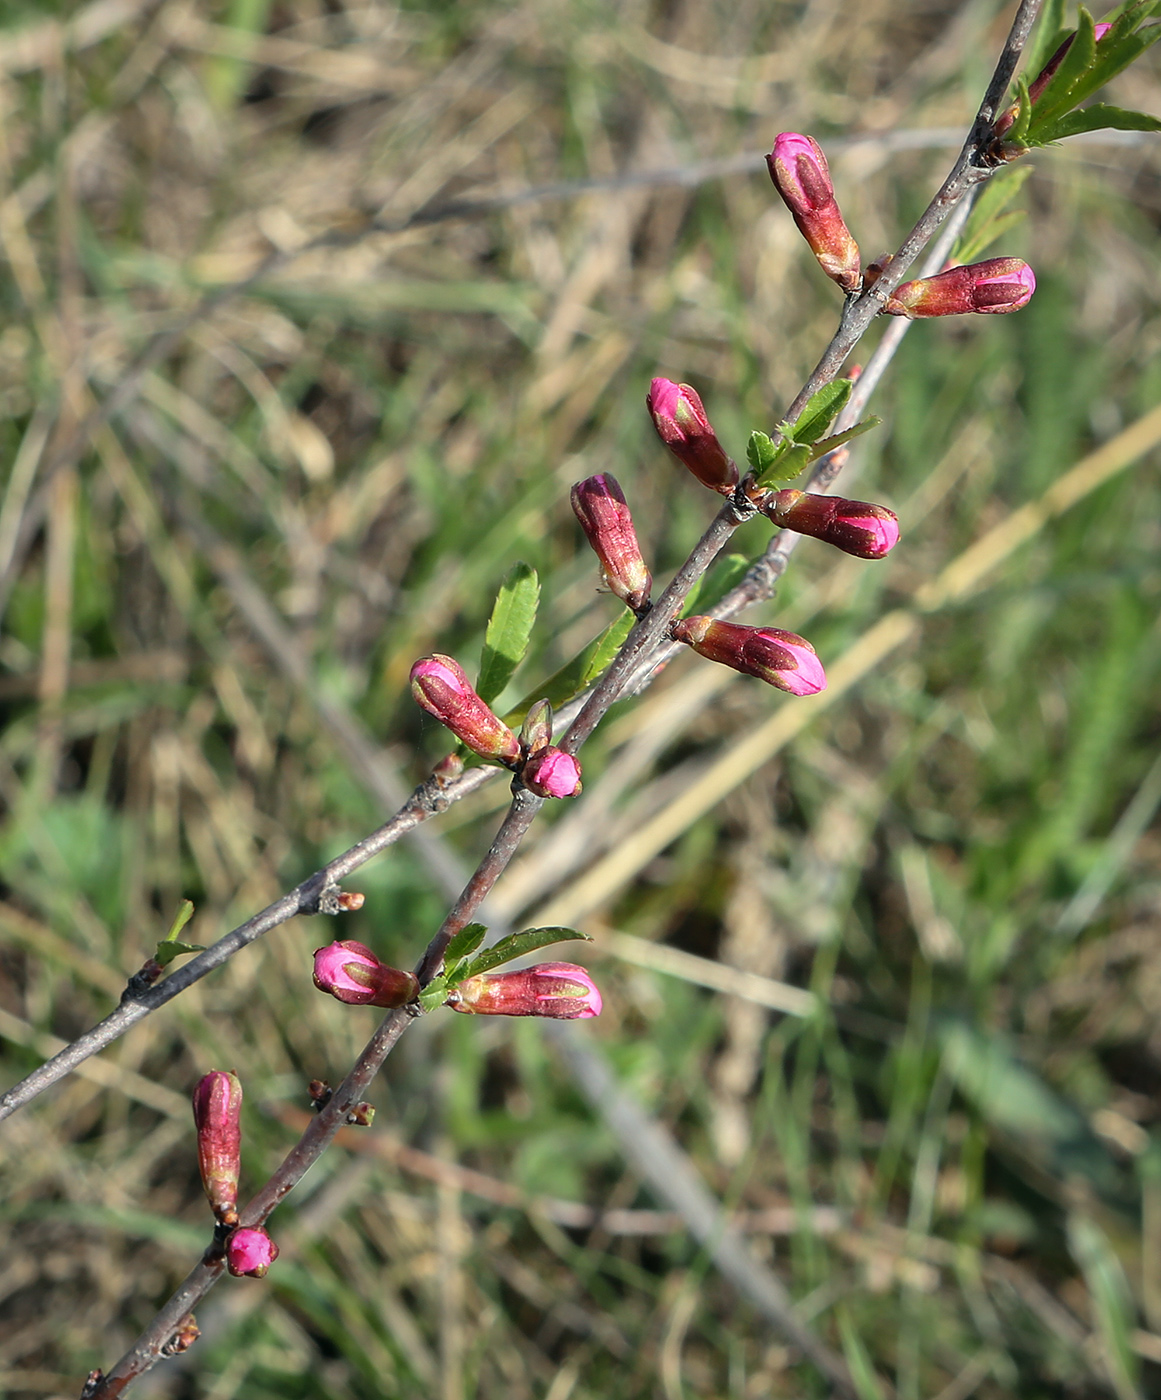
column 956, row 1165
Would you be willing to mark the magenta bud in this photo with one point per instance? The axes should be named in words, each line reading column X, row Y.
column 217, row 1108
column 1040, row 82
column 552, row 773
column 250, row 1253
column 801, row 176
column 441, row 687
column 857, row 527
column 683, row 427
column 352, row 974
column 599, row 504
column 560, row 990
column 779, row 658
column 996, row 285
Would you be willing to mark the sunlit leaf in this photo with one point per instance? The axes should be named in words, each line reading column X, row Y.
column 509, row 630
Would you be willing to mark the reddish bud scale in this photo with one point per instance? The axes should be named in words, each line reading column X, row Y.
column 351, row 973
column 993, row 286
column 217, row 1108
column 600, row 506
column 250, row 1253
column 561, row 991
column 552, row 773
column 801, row 176
column 779, row 658
column 683, row 427
column 441, row 687
column 857, row 527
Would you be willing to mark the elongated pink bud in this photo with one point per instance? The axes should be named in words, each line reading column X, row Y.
column 779, row 658
column 683, row 427
column 995, row 285
column 802, row 177
column 551, row 773
column 560, row 990
column 441, row 687
column 600, row 506
column 857, row 527
column 1040, row 82
column 250, row 1253
column 351, row 973
column 217, row 1108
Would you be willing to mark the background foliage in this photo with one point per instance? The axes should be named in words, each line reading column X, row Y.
column 957, row 1161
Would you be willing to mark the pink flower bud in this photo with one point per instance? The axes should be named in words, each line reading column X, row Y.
column 858, row 527
column 250, row 1253
column 1040, row 82
column 599, row 504
column 683, row 427
column 441, row 687
column 352, row 974
column 560, row 990
column 551, row 773
column 776, row 657
column 801, row 176
column 998, row 284
column 217, row 1108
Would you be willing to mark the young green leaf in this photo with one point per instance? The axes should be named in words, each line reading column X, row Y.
column 1051, row 32
column 789, row 464
column 185, row 912
column 761, row 452
column 828, row 444
column 1061, row 93
column 170, row 948
column 822, row 408
column 516, row 945
column 579, row 673
column 464, row 943
column 509, row 630
column 1017, row 134
column 1098, row 117
column 434, row 994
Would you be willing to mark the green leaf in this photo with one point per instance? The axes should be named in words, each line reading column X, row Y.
column 714, row 586
column 790, row 464
column 516, row 945
column 761, row 452
column 509, row 630
column 1061, row 94
column 434, row 994
column 989, row 220
column 185, row 912
column 822, row 408
column 1051, row 32
column 828, row 444
column 170, row 948
column 464, row 944
column 1097, row 118
column 579, row 673
column 1017, row 133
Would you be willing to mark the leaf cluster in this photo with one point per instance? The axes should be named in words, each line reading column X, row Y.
column 462, row 961
column 805, row 440
column 1085, row 68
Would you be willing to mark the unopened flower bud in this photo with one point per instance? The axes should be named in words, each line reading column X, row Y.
column 352, row 974
column 560, row 990
column 361, row 1116
column 1040, row 82
column 441, row 687
column 857, row 527
column 779, row 658
column 250, row 1253
column 683, row 427
column 552, row 773
column 600, row 506
column 801, row 176
column 996, row 285
column 217, row 1108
